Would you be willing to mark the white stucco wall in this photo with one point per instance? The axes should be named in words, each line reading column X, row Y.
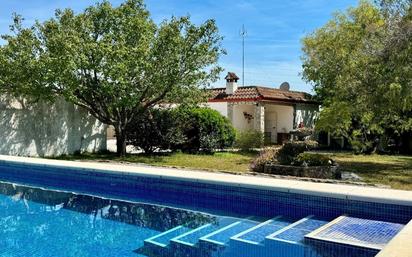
column 307, row 114
column 283, row 115
column 239, row 121
column 221, row 107
column 44, row 129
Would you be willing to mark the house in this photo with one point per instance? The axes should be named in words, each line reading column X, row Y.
column 47, row 129
column 274, row 112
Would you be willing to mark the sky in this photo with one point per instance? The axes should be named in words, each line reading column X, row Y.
column 274, row 30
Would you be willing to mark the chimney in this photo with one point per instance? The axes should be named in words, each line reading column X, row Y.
column 231, row 83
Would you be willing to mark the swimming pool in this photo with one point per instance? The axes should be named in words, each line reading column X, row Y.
column 113, row 214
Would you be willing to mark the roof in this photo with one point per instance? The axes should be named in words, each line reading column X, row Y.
column 258, row 93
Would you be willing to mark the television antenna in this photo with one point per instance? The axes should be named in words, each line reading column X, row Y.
column 243, row 34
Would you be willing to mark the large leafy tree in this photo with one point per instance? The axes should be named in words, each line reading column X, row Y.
column 359, row 64
column 113, row 61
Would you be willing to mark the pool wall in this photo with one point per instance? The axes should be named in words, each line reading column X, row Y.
column 253, row 199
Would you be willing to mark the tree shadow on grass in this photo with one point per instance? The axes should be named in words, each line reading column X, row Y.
column 395, row 171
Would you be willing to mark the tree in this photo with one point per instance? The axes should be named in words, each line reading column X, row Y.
column 359, row 64
column 113, row 61
column 394, row 7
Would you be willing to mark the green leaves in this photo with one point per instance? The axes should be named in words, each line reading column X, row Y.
column 360, row 66
column 113, row 61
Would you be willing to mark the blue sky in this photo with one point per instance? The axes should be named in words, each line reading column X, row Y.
column 275, row 28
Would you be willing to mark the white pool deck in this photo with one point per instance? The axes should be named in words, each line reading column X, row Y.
column 400, row 246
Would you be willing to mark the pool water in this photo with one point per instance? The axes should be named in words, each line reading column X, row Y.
column 40, row 222
column 36, row 222
column 115, row 214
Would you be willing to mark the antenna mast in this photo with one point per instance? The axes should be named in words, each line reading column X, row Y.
column 243, row 34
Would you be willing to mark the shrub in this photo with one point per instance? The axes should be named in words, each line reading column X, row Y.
column 189, row 129
column 312, row 159
column 204, row 130
column 266, row 156
column 156, row 130
column 289, row 151
column 360, row 146
column 247, row 140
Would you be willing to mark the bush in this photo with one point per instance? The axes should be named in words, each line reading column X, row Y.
column 186, row 129
column 204, row 130
column 312, row 159
column 289, row 151
column 247, row 140
column 155, row 130
column 360, row 146
column 266, row 156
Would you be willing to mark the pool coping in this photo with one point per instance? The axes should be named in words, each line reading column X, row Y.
column 348, row 192
column 399, row 246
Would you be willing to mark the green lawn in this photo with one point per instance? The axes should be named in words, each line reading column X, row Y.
column 392, row 170
column 222, row 161
column 395, row 171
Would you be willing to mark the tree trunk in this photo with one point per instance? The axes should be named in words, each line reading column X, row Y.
column 120, row 141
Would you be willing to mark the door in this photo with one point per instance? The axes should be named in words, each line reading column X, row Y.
column 271, row 127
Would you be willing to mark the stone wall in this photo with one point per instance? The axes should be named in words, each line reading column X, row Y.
column 324, row 172
column 46, row 129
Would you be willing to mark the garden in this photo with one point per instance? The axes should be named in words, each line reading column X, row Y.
column 131, row 70
column 200, row 138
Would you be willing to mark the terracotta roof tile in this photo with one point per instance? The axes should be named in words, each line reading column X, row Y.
column 258, row 93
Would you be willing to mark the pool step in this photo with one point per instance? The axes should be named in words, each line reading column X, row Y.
column 295, row 232
column 363, row 234
column 221, row 237
column 192, row 237
column 256, row 235
column 277, row 237
column 288, row 241
column 163, row 239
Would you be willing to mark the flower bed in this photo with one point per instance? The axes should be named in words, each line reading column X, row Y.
column 292, row 159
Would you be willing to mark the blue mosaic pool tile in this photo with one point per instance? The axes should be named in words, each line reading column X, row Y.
column 222, row 236
column 311, row 224
column 293, row 235
column 214, row 198
column 164, row 238
column 316, row 248
column 260, row 232
column 191, row 238
column 359, row 232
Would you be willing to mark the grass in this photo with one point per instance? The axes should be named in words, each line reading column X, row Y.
column 237, row 162
column 392, row 170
